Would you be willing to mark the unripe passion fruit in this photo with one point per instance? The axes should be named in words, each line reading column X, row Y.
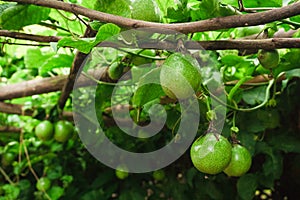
column 146, row 10
column 180, row 75
column 115, row 70
column 43, row 184
column 240, row 161
column 63, row 130
column 44, row 130
column 211, row 153
column 269, row 59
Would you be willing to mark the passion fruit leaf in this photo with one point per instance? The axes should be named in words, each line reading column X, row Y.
column 255, row 95
column 86, row 44
column 148, row 88
column 246, row 186
column 18, row 16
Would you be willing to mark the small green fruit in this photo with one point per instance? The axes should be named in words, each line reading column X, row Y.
column 63, row 130
column 115, row 71
column 44, row 130
column 240, row 161
column 180, row 76
column 159, row 175
column 121, row 172
column 211, row 153
column 269, row 59
column 8, row 158
column 146, row 10
column 43, row 184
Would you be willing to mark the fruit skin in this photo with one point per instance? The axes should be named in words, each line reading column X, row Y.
column 211, row 153
column 240, row 161
column 159, row 175
column 8, row 158
column 146, row 10
column 121, row 172
column 115, row 71
column 63, row 130
column 269, row 59
column 43, row 184
column 44, row 130
column 180, row 73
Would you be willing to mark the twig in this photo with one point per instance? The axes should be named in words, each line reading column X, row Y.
column 6, row 176
column 190, row 27
column 26, row 36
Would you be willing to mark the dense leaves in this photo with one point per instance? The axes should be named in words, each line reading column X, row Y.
column 262, row 115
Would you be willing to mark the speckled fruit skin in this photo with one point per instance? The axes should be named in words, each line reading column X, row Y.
column 44, row 130
column 146, row 10
column 240, row 161
column 211, row 153
column 269, row 59
column 180, row 75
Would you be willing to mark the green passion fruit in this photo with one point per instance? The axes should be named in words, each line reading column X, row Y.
column 180, row 75
column 44, row 130
column 43, row 184
column 121, row 172
column 269, row 59
column 211, row 153
column 63, row 131
column 240, row 161
column 146, row 10
column 115, row 70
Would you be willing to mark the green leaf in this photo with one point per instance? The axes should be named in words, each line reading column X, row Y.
column 292, row 73
column 56, row 61
column 263, row 3
column 255, row 95
column 246, row 186
column 55, row 192
column 18, row 16
column 231, row 60
column 34, row 58
column 148, row 88
column 286, row 143
column 85, row 45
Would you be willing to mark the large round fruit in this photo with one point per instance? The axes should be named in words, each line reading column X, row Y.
column 146, row 10
column 180, row 75
column 211, row 153
column 240, row 161
column 43, row 184
column 44, row 130
column 63, row 130
column 159, row 175
column 269, row 59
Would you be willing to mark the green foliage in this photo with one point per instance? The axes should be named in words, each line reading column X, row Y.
column 17, row 16
column 263, row 116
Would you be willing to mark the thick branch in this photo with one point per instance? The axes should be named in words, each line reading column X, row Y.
column 77, row 62
column 9, row 129
column 31, row 37
column 190, row 27
column 45, row 85
column 14, row 109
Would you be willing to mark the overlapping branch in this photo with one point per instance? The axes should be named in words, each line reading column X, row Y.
column 189, row 27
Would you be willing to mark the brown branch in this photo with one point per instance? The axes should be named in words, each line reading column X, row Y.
column 45, row 85
column 31, row 37
column 77, row 62
column 10, row 129
column 14, row 109
column 190, row 27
